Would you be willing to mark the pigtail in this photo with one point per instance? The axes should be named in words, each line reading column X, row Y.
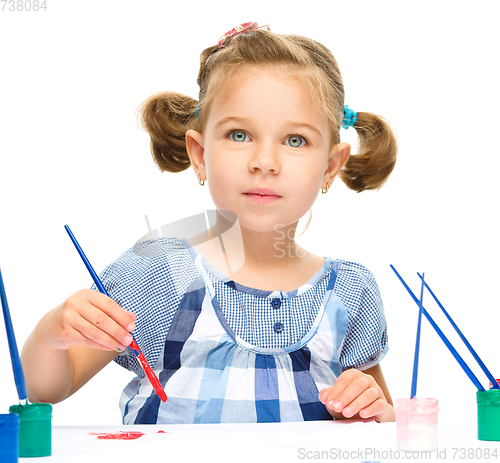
column 166, row 116
column 376, row 157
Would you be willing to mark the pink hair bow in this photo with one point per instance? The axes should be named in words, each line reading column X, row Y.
column 238, row 30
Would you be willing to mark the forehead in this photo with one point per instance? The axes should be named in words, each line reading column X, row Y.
column 268, row 88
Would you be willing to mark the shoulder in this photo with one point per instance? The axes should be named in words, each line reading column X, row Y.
column 151, row 252
column 149, row 268
column 147, row 257
column 355, row 274
column 357, row 287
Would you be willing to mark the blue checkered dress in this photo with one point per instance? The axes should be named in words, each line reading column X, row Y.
column 228, row 353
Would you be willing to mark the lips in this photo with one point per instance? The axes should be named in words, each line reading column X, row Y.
column 261, row 192
column 262, row 195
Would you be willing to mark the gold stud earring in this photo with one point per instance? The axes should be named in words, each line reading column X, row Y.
column 325, row 190
column 199, row 180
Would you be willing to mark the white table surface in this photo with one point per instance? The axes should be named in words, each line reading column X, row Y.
column 277, row 442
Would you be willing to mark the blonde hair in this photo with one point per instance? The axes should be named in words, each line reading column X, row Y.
column 166, row 116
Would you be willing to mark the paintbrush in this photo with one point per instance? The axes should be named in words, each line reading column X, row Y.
column 134, row 346
column 417, row 346
column 487, row 372
column 448, row 344
column 14, row 353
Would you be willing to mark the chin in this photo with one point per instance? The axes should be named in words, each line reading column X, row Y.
column 263, row 225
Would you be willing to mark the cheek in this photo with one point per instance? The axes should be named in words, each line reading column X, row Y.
column 308, row 179
column 219, row 171
column 222, row 180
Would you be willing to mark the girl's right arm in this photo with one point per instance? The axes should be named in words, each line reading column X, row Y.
column 72, row 343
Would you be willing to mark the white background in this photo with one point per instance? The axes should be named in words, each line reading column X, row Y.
column 71, row 152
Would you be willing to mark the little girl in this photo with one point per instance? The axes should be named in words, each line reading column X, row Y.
column 284, row 335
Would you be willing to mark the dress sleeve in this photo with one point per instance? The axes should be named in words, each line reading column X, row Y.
column 150, row 280
column 365, row 343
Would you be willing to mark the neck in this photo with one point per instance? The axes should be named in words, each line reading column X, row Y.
column 269, row 249
column 272, row 248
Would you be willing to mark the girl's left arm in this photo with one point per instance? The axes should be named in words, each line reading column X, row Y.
column 359, row 394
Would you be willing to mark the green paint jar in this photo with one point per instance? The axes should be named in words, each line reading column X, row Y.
column 35, row 433
column 488, row 415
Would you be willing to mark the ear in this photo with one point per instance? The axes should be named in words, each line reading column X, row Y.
column 339, row 155
column 196, row 151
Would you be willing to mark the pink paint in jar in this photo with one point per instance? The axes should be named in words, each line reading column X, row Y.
column 417, row 424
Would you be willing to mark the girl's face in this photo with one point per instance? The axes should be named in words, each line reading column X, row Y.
column 266, row 149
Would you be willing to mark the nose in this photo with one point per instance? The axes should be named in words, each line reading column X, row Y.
column 265, row 158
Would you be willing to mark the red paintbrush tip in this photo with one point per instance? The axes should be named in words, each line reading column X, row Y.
column 149, row 372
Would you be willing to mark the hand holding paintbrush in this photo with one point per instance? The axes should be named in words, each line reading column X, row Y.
column 74, row 341
column 90, row 319
column 133, row 344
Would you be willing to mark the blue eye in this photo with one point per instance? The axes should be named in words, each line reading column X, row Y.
column 238, row 136
column 295, row 141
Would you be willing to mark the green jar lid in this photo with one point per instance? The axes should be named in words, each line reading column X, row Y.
column 32, row 411
column 489, row 397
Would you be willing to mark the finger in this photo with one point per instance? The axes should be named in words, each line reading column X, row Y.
column 101, row 322
column 354, row 389
column 93, row 335
column 323, row 394
column 78, row 338
column 375, row 410
column 361, row 401
column 104, row 303
column 330, row 394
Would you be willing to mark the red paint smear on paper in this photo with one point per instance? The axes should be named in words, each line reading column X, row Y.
column 161, row 432
column 149, row 372
column 122, row 435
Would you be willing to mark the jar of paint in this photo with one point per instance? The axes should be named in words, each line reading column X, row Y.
column 35, row 434
column 417, row 424
column 488, row 415
column 9, row 438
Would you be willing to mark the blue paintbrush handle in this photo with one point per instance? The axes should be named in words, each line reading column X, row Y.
column 455, row 354
column 87, row 263
column 492, row 379
column 91, row 270
column 14, row 353
column 153, row 379
column 417, row 346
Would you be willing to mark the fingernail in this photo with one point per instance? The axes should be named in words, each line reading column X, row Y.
column 337, row 406
column 127, row 340
column 120, row 348
column 347, row 412
column 131, row 327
